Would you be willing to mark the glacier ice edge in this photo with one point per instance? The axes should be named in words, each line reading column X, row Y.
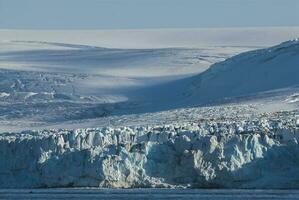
column 259, row 153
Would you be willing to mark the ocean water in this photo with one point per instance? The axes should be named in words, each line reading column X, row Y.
column 110, row 194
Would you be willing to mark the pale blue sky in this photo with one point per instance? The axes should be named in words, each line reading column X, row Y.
column 140, row 14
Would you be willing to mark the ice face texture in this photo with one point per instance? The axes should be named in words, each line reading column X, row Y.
column 231, row 154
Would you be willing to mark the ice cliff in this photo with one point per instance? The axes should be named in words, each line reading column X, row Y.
column 261, row 153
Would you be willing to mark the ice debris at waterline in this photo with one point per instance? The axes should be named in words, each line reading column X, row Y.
column 261, row 153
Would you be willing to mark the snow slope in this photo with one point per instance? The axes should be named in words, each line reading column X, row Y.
column 249, row 74
column 70, row 58
column 45, row 83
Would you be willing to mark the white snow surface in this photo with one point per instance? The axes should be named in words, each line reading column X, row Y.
column 158, row 38
column 271, row 69
column 46, row 84
column 50, row 83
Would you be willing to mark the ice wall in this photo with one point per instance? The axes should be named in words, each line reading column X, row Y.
column 245, row 154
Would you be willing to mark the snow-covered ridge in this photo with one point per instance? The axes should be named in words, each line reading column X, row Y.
column 44, row 82
column 232, row 154
column 49, row 82
column 249, row 73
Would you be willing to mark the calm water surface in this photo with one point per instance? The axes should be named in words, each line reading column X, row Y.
column 147, row 194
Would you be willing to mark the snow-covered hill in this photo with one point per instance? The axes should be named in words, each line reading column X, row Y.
column 45, row 83
column 267, row 71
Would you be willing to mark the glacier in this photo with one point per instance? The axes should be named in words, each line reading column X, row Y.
column 153, row 117
column 257, row 153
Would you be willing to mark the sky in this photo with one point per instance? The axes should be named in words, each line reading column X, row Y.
column 146, row 14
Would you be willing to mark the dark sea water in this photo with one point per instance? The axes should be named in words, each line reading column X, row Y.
column 111, row 194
